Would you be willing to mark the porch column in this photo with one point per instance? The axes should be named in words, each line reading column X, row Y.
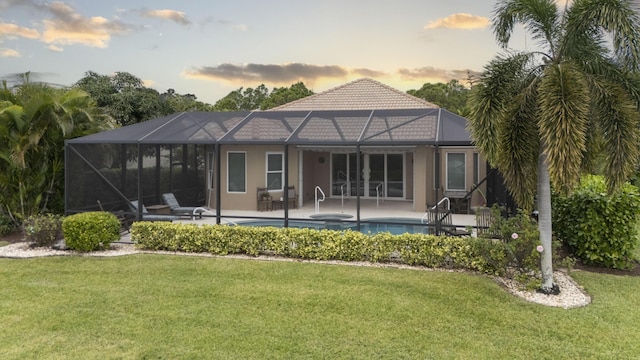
column 358, row 183
column 217, row 171
column 420, row 176
column 285, row 192
column 300, row 178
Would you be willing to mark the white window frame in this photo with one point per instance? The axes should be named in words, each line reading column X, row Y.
column 267, row 172
column 229, row 173
column 447, row 171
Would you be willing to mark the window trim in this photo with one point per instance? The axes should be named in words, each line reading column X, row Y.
column 464, row 176
column 229, row 172
column 267, row 172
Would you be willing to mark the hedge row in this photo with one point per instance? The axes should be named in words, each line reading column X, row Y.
column 483, row 255
column 600, row 227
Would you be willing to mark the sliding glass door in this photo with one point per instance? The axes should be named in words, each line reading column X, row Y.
column 381, row 174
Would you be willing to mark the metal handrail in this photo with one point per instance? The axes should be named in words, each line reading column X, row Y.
column 435, row 206
column 317, row 200
column 342, row 192
column 378, row 193
column 441, row 201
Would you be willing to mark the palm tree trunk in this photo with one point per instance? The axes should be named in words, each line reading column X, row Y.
column 544, row 225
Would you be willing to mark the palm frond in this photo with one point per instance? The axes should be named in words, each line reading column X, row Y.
column 540, row 17
column 619, row 119
column 490, row 98
column 563, row 119
column 519, row 148
column 616, row 17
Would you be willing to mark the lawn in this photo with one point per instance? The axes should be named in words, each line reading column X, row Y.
column 170, row 307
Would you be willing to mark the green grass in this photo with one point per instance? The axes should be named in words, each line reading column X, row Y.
column 170, row 307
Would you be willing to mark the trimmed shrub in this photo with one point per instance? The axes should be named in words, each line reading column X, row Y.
column 599, row 227
column 483, row 255
column 91, row 230
column 43, row 230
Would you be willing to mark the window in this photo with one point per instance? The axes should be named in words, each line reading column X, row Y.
column 456, row 171
column 275, row 175
column 236, row 172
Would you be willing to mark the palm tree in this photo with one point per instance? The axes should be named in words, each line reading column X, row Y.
column 35, row 119
column 542, row 116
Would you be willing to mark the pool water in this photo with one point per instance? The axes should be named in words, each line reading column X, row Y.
column 395, row 226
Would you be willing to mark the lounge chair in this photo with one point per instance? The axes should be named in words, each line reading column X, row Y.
column 176, row 209
column 146, row 216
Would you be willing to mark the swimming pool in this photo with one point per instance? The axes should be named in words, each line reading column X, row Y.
column 395, row 226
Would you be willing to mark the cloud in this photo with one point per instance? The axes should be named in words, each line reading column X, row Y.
column 66, row 27
column 285, row 74
column 55, row 48
column 13, row 30
column 224, row 23
column 368, row 73
column 459, row 21
column 280, row 74
column 173, row 15
column 9, row 53
column 436, row 74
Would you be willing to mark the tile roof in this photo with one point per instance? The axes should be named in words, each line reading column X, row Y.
column 361, row 94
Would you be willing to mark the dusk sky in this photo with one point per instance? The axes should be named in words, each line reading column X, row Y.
column 209, row 48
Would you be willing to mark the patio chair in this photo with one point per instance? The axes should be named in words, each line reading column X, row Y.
column 264, row 199
column 176, row 209
column 146, row 216
column 484, row 220
column 444, row 218
column 292, row 197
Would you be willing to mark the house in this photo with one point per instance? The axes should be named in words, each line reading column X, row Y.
column 360, row 140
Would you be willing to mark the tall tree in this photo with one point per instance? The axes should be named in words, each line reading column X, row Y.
column 238, row 100
column 35, row 119
column 283, row 95
column 451, row 96
column 123, row 96
column 174, row 102
column 539, row 116
column 260, row 98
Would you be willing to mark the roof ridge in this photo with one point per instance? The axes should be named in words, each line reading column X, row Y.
column 311, row 97
column 365, row 80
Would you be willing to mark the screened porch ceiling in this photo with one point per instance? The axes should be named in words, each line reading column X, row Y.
column 395, row 127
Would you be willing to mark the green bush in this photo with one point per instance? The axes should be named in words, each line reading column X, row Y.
column 6, row 225
column 91, row 230
column 599, row 227
column 482, row 255
column 521, row 237
column 43, row 230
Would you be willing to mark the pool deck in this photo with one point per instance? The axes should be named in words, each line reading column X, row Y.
column 369, row 209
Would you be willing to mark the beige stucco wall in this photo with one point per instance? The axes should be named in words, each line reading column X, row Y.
column 421, row 178
column 419, row 165
column 317, row 172
column 255, row 174
column 408, row 160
